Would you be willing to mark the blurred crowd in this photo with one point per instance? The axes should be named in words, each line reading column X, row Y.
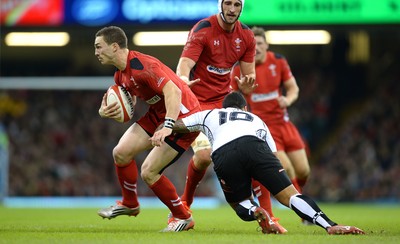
column 59, row 146
column 362, row 161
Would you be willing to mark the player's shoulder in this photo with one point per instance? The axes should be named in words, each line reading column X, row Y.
column 245, row 31
column 203, row 25
column 276, row 56
column 139, row 61
column 244, row 26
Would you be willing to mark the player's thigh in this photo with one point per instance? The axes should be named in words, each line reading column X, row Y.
column 267, row 170
column 286, row 163
column 299, row 162
column 202, row 150
column 134, row 141
column 158, row 159
column 234, row 179
column 200, row 143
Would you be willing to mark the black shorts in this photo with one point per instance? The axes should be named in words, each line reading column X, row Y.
column 242, row 159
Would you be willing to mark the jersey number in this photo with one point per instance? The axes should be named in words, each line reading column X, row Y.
column 236, row 115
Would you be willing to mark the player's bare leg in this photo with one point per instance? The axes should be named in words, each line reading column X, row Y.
column 131, row 143
column 264, row 198
column 301, row 166
column 159, row 158
column 197, row 167
column 307, row 209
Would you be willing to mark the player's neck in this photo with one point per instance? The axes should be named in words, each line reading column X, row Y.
column 226, row 27
column 121, row 58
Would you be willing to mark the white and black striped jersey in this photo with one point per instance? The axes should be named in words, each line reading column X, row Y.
column 222, row 126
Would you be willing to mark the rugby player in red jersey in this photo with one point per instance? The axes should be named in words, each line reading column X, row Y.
column 169, row 98
column 213, row 47
column 270, row 104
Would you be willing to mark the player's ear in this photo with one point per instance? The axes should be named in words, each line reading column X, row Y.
column 245, row 108
column 115, row 46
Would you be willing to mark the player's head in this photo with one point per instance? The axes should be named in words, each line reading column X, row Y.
column 234, row 100
column 261, row 44
column 230, row 10
column 113, row 34
column 107, row 42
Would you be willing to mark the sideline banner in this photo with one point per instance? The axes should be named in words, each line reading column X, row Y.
column 71, row 13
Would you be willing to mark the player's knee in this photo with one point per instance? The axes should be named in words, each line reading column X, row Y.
column 120, row 157
column 244, row 213
column 303, row 174
column 148, row 176
column 202, row 159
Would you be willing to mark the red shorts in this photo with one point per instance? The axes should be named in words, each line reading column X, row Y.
column 286, row 136
column 179, row 141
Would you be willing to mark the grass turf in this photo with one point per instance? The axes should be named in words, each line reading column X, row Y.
column 52, row 225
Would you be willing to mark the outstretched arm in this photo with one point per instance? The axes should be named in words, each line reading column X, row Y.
column 247, row 81
column 185, row 65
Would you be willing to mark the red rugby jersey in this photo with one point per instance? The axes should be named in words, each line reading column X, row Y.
column 215, row 51
column 145, row 77
column 270, row 76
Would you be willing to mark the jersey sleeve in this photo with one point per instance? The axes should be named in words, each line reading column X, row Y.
column 156, row 78
column 251, row 48
column 286, row 71
column 194, row 122
column 194, row 45
column 270, row 140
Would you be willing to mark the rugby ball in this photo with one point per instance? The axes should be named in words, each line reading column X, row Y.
column 120, row 95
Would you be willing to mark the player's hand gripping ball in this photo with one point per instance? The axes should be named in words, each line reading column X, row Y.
column 120, row 95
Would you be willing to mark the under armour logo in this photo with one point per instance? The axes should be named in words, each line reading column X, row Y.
column 216, row 42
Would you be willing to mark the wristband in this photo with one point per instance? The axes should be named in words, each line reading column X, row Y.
column 169, row 123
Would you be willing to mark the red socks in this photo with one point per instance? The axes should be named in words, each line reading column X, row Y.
column 296, row 184
column 193, row 178
column 127, row 177
column 166, row 192
column 264, row 196
column 301, row 182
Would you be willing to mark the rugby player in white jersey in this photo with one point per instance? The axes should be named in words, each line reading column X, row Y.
column 242, row 149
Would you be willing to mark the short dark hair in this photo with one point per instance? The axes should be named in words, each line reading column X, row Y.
column 234, row 100
column 258, row 31
column 113, row 34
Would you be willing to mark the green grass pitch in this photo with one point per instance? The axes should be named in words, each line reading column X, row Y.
column 221, row 225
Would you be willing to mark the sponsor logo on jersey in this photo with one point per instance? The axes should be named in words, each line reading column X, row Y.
column 216, row 42
column 262, row 97
column 153, row 100
column 218, row 71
